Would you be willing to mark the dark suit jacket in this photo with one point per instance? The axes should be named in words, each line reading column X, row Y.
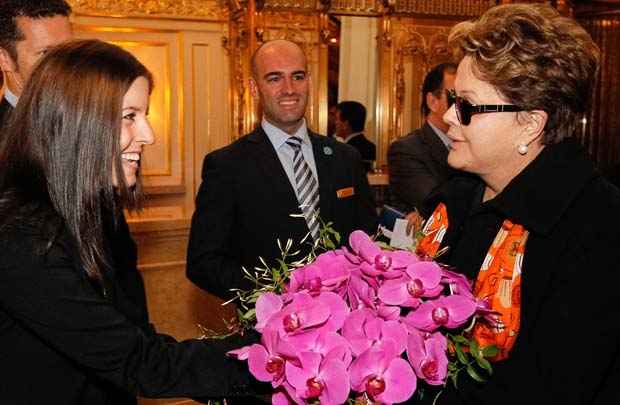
column 367, row 149
column 245, row 201
column 417, row 164
column 65, row 343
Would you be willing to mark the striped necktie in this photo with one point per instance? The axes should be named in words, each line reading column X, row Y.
column 307, row 187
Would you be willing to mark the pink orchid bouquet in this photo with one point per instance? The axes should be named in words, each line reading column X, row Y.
column 364, row 324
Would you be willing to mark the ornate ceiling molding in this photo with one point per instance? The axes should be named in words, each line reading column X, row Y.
column 177, row 9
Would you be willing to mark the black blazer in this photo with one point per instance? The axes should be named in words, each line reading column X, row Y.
column 367, row 149
column 417, row 164
column 245, row 202
column 65, row 343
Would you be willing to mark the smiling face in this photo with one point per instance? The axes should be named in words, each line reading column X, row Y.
column 488, row 146
column 281, row 83
column 135, row 130
column 39, row 36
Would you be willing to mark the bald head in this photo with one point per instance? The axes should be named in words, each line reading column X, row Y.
column 280, row 81
column 273, row 48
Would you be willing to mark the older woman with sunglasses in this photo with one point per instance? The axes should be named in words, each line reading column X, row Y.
column 532, row 222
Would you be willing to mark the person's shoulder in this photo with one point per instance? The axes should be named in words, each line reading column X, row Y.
column 599, row 198
column 232, row 153
column 39, row 238
column 411, row 143
column 338, row 148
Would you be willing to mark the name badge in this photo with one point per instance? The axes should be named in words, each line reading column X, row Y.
column 345, row 192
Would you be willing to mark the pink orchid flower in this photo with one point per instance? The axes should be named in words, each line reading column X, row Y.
column 388, row 312
column 332, row 344
column 330, row 272
column 324, row 379
column 451, row 312
column 359, row 293
column 458, row 283
column 267, row 361
column 421, row 279
column 301, row 320
column 427, row 354
column 384, row 376
column 286, row 395
column 363, row 329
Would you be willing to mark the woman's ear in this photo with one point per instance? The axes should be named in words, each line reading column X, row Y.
column 537, row 120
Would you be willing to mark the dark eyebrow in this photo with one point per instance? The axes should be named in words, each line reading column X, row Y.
column 271, row 74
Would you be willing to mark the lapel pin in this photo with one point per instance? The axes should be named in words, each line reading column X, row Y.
column 327, row 150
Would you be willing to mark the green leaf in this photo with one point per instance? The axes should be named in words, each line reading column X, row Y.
column 250, row 314
column 453, row 378
column 474, row 349
column 461, row 339
column 474, row 374
column 490, row 351
column 484, row 363
column 460, row 354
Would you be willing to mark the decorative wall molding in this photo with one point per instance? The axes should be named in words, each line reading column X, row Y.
column 176, row 9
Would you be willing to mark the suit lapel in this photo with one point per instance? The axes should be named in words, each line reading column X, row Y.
column 324, row 161
column 273, row 174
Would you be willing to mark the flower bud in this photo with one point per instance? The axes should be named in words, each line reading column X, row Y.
column 440, row 315
column 291, row 322
column 383, row 262
column 315, row 388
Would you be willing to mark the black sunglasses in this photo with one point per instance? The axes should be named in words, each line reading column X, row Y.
column 465, row 109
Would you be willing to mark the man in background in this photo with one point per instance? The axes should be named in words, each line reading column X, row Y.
column 418, row 162
column 28, row 29
column 350, row 123
column 250, row 188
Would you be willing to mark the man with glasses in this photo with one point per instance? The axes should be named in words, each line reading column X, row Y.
column 418, row 161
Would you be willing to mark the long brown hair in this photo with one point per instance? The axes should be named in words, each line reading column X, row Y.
column 62, row 145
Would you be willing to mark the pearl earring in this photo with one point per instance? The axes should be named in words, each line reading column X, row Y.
column 522, row 149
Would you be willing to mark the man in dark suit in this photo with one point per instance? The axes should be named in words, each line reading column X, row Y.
column 28, row 28
column 418, row 162
column 251, row 187
column 350, row 123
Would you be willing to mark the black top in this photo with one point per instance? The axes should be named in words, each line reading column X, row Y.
column 567, row 348
column 65, row 343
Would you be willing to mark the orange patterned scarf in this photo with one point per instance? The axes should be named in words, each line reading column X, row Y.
column 498, row 282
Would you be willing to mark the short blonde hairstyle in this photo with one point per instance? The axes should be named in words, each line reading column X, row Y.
column 535, row 58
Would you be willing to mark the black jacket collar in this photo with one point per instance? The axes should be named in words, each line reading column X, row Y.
column 536, row 198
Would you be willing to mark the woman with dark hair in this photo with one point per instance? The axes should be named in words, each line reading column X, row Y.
column 69, row 160
column 536, row 226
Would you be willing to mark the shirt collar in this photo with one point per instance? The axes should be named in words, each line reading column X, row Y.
column 353, row 135
column 442, row 135
column 279, row 137
column 10, row 97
